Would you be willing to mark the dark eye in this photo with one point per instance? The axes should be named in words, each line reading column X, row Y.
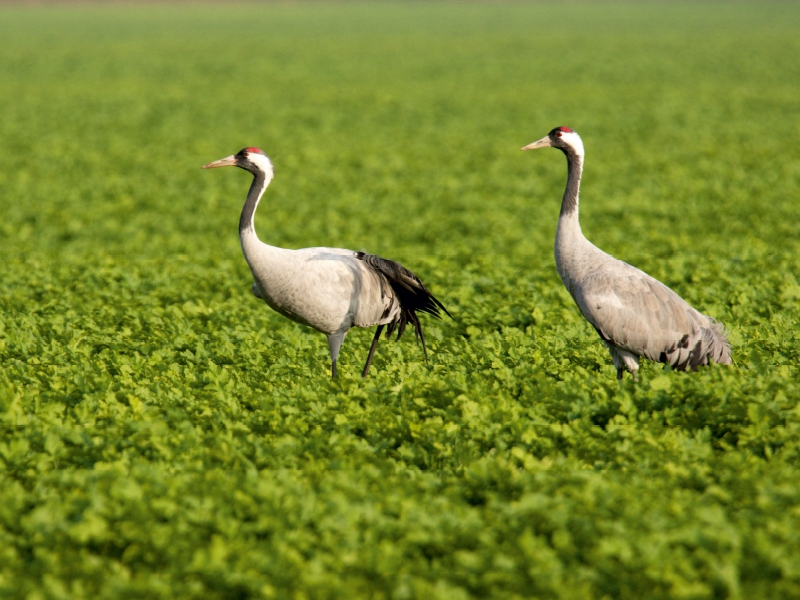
column 246, row 154
column 559, row 134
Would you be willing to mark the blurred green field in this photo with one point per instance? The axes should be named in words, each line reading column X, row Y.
column 163, row 434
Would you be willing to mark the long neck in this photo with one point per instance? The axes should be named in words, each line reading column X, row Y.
column 247, row 232
column 570, row 241
column 569, row 204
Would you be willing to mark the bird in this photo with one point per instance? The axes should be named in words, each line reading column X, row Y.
column 635, row 315
column 328, row 289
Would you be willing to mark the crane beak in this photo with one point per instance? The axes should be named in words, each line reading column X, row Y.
column 228, row 161
column 542, row 143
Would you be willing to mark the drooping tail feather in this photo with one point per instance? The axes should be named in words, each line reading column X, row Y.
column 708, row 343
column 412, row 295
column 715, row 341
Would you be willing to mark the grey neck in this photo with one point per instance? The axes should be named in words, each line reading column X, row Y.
column 257, row 188
column 569, row 204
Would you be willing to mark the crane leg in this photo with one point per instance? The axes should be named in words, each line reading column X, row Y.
column 621, row 372
column 372, row 350
column 334, row 343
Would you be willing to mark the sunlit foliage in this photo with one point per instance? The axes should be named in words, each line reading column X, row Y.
column 163, row 434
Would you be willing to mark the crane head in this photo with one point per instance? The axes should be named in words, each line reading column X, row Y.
column 250, row 159
column 565, row 139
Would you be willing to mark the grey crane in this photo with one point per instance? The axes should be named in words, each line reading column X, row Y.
column 329, row 289
column 635, row 314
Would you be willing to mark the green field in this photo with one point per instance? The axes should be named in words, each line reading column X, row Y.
column 164, row 434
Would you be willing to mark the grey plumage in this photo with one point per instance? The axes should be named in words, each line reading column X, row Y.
column 634, row 314
column 329, row 289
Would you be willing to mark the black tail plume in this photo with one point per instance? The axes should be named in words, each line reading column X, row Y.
column 410, row 292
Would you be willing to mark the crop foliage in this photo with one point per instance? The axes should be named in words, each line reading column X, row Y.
column 163, row 434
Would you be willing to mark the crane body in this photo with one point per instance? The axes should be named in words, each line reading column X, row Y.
column 635, row 314
column 328, row 289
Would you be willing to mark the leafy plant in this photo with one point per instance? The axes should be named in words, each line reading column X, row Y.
column 163, row 434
